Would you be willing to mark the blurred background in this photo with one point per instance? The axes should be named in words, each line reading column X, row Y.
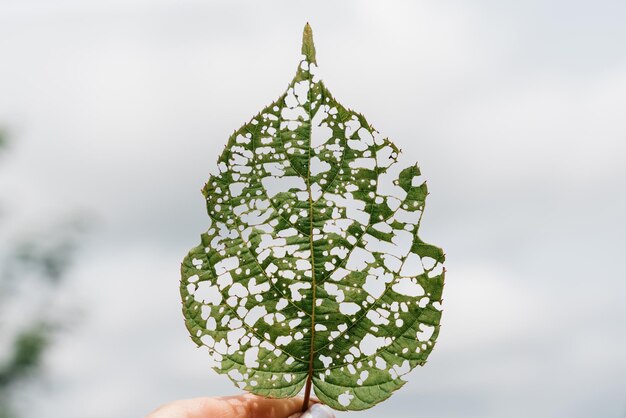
column 112, row 114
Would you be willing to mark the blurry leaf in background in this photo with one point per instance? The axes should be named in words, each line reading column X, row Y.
column 30, row 280
column 3, row 148
column 3, row 140
column 48, row 253
column 28, row 348
column 26, row 355
column 32, row 268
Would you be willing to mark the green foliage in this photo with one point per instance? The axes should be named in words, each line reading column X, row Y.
column 311, row 271
column 28, row 348
column 31, row 271
column 3, row 140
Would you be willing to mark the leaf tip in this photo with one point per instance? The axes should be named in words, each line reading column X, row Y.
column 308, row 47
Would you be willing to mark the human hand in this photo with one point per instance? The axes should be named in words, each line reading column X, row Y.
column 243, row 406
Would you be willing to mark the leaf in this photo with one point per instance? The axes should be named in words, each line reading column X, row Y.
column 311, row 271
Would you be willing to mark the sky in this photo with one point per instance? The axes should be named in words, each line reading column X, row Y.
column 513, row 110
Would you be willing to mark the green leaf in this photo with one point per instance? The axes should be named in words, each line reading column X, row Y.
column 311, row 272
column 3, row 140
column 28, row 349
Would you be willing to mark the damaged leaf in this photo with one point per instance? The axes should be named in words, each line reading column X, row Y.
column 311, row 273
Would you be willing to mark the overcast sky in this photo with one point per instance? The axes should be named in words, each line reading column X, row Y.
column 515, row 111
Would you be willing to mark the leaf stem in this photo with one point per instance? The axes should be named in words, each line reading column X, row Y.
column 309, row 50
column 307, row 390
column 307, row 393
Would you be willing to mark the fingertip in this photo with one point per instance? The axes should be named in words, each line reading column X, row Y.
column 260, row 407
